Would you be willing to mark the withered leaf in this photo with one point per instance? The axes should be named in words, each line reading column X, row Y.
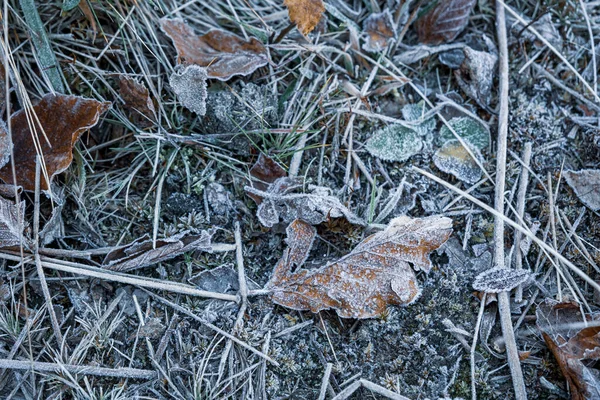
column 63, row 119
column 476, row 73
column 576, row 349
column 136, row 97
column 11, row 223
column 189, row 84
column 223, row 54
column 380, row 30
column 140, row 253
column 264, row 171
column 377, row 273
column 586, row 184
column 444, row 21
column 306, row 14
column 498, row 280
column 281, row 201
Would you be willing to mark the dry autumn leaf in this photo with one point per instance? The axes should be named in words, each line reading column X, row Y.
column 141, row 253
column 63, row 119
column 377, row 273
column 137, row 97
column 264, row 172
column 223, row 54
column 444, row 21
column 306, row 14
column 575, row 347
column 380, row 30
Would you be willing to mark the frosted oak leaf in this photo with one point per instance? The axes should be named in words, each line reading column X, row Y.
column 223, row 54
column 377, row 273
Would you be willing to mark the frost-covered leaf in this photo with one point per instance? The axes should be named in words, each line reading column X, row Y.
column 545, row 27
column 377, row 273
column 379, row 29
column 444, row 21
column 306, row 14
column 394, row 143
column 264, row 172
column 223, row 54
column 189, row 84
column 586, row 185
column 576, row 348
column 222, row 279
column 136, row 97
column 63, row 119
column 11, row 223
column 5, row 144
column 476, row 73
column 454, row 159
column 68, row 5
column 141, row 253
column 498, row 280
column 466, row 128
column 282, row 202
column 416, row 112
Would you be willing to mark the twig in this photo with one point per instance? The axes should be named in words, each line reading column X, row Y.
column 325, row 381
column 346, row 393
column 128, row 373
column 114, row 276
column 473, row 346
column 503, row 297
column 38, row 262
column 522, row 192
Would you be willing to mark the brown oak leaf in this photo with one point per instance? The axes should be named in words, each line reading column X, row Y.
column 444, row 21
column 264, row 172
column 306, row 14
column 223, row 54
column 575, row 346
column 63, row 119
column 377, row 273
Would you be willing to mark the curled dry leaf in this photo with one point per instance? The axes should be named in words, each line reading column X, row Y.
column 141, row 253
column 136, row 97
column 476, row 73
column 443, row 22
column 280, row 201
column 576, row 349
column 380, row 30
column 377, row 273
column 498, row 280
column 306, row 14
column 63, row 119
column 586, row 185
column 223, row 54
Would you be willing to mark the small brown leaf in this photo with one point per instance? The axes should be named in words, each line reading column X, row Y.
column 264, row 172
column 576, row 349
column 362, row 284
column 444, row 22
column 141, row 253
column 306, row 14
column 63, row 120
column 223, row 54
column 379, row 29
column 136, row 97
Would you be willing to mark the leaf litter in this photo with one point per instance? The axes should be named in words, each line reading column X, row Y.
column 306, row 14
column 378, row 272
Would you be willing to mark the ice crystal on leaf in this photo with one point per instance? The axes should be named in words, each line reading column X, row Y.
column 394, row 143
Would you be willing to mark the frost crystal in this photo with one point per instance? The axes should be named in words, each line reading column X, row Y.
column 189, row 84
column 466, row 128
column 498, row 280
column 394, row 143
